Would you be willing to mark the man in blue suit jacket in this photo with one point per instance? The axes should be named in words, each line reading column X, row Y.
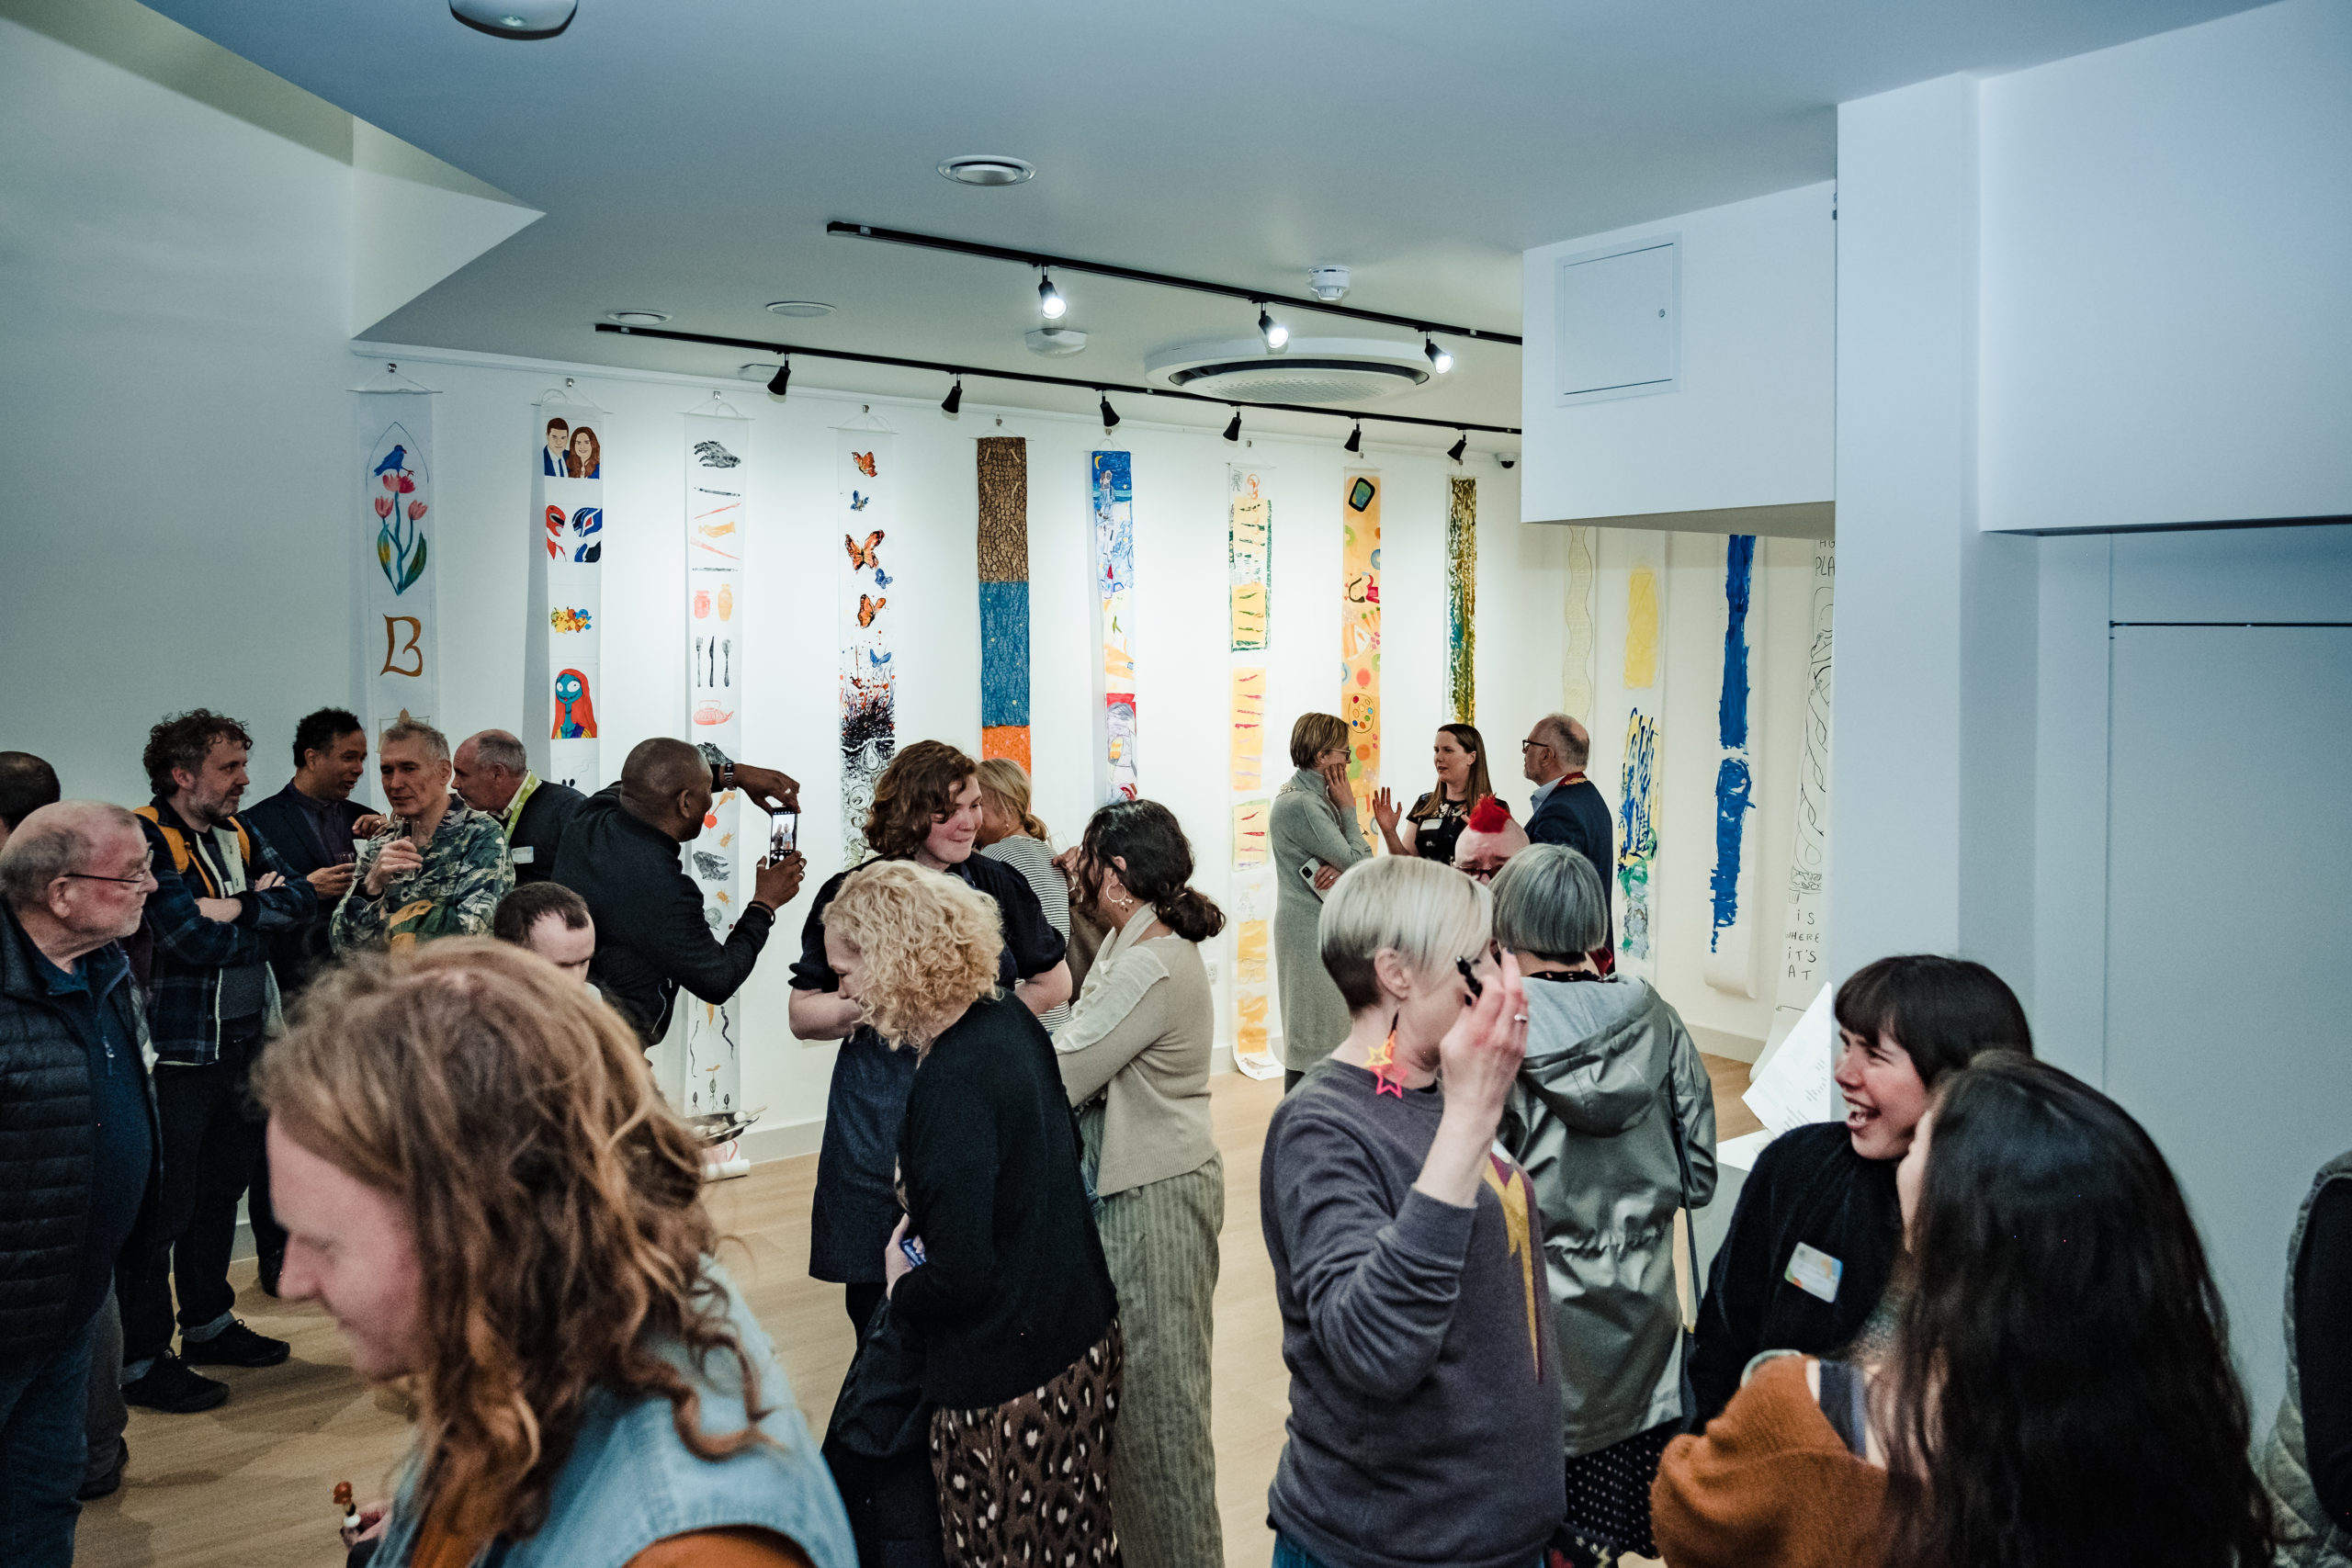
column 1569, row 808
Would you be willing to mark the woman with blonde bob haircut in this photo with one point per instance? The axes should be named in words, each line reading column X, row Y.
column 1407, row 1253
column 996, row 1268
column 480, row 1181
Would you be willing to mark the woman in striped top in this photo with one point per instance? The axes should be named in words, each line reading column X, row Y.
column 1009, row 833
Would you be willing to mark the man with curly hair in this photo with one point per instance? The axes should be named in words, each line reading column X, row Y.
column 926, row 810
column 222, row 893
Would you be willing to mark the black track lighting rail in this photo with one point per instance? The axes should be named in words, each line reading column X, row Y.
column 1162, row 279
column 787, row 350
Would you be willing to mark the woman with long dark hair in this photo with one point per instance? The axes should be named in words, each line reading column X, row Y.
column 1817, row 1230
column 2058, row 1391
column 1135, row 1059
column 1429, row 828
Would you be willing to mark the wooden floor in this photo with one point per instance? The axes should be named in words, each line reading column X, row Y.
column 249, row 1483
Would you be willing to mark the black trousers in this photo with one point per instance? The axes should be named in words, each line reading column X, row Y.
column 212, row 1139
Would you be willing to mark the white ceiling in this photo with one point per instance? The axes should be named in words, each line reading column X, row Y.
column 689, row 153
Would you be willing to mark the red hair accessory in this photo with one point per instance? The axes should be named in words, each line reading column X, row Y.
column 1488, row 816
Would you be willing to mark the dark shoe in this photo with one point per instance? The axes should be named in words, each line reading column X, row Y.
column 106, row 1484
column 171, row 1387
column 272, row 1265
column 235, row 1346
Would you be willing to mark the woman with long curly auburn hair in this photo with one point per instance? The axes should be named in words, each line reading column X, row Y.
column 480, row 1181
column 996, row 1267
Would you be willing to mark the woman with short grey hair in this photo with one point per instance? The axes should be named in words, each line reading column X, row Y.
column 1614, row 1120
column 1424, row 1414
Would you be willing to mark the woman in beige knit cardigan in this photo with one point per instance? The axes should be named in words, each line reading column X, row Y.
column 1135, row 1057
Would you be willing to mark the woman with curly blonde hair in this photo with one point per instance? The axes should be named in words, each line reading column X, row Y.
column 996, row 1267
column 480, row 1181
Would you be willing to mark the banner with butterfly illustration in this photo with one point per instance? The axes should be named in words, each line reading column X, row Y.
column 400, row 646
column 567, row 512
column 716, row 451
column 865, row 461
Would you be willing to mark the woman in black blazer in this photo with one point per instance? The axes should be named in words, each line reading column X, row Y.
column 997, row 1266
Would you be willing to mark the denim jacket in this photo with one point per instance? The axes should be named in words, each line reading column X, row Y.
column 631, row 1482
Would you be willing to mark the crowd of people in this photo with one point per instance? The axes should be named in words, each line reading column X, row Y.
column 1971, row 1325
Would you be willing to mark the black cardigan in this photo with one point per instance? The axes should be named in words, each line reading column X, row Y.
column 1015, row 1287
column 1809, row 1185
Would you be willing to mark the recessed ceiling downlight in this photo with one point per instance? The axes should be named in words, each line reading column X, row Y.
column 522, row 19
column 987, row 169
column 799, row 307
column 637, row 318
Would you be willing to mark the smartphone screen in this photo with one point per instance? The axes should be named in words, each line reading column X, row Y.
column 784, row 834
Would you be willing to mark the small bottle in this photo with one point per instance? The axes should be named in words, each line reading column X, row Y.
column 343, row 1496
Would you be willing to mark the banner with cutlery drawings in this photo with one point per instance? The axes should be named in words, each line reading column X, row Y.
column 718, row 448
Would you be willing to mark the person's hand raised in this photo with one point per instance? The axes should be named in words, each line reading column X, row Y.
column 1479, row 1056
column 777, row 881
column 767, row 788
column 334, row 881
column 1335, row 780
column 401, row 858
column 1385, row 810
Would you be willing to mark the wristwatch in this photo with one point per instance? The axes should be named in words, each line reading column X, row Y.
column 725, row 776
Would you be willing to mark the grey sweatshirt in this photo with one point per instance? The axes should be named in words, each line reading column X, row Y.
column 1424, row 1415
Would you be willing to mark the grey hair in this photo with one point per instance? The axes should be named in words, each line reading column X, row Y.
column 1427, row 914
column 1569, row 739
column 496, row 749
column 1548, row 902
column 436, row 745
column 54, row 842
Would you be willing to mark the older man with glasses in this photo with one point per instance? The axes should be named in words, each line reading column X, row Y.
column 1569, row 808
column 78, row 1136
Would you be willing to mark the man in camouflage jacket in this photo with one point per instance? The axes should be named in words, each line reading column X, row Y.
column 440, row 871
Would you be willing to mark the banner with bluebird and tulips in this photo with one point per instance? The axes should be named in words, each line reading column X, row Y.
column 398, row 640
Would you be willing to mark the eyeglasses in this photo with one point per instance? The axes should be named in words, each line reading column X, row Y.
column 145, row 871
column 1480, row 873
column 1546, row 745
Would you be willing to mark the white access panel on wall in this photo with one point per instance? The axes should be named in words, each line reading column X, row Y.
column 2228, row 1001
column 1619, row 324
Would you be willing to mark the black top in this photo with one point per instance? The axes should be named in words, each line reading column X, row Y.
column 652, row 937
column 1808, row 1187
column 1577, row 815
column 307, row 834
column 1436, row 825
column 539, row 830
column 1015, row 1287
column 854, row 1211
column 2323, row 1348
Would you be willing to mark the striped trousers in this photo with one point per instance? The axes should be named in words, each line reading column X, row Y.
column 1160, row 1240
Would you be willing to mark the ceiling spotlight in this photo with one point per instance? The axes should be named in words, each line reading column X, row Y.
column 522, row 19
column 987, row 169
column 782, row 379
column 1275, row 333
column 1110, row 414
column 637, row 318
column 1355, row 438
column 799, row 307
column 1437, row 357
column 954, row 402
column 1459, row 447
column 1049, row 299
column 1233, row 431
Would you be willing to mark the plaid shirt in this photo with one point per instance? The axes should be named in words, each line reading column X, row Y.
column 192, row 948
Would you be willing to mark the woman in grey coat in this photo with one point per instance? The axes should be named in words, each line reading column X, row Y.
column 1612, row 1104
column 1313, row 836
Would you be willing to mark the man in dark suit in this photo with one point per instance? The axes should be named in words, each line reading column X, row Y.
column 1567, row 808
column 492, row 773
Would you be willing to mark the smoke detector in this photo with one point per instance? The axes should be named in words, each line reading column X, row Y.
column 1330, row 284
column 1308, row 370
column 1055, row 342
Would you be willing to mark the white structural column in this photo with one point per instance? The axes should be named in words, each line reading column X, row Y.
column 1932, row 756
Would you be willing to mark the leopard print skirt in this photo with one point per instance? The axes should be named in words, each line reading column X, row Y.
column 1026, row 1483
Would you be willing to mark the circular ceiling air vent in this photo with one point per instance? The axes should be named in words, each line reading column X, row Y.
column 987, row 169
column 1309, row 371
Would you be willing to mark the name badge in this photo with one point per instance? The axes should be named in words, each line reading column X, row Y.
column 1814, row 1273
column 523, row 854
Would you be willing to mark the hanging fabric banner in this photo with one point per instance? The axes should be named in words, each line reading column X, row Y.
column 866, row 466
column 567, row 512
column 1462, row 599
column 1004, row 597
column 398, row 637
column 1731, row 935
column 1112, row 485
column 717, row 532
column 1360, row 636
column 1250, row 535
column 1644, row 680
column 1801, row 973
column 1579, row 641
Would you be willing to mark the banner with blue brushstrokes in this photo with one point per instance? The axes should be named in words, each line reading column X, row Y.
column 1732, row 919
